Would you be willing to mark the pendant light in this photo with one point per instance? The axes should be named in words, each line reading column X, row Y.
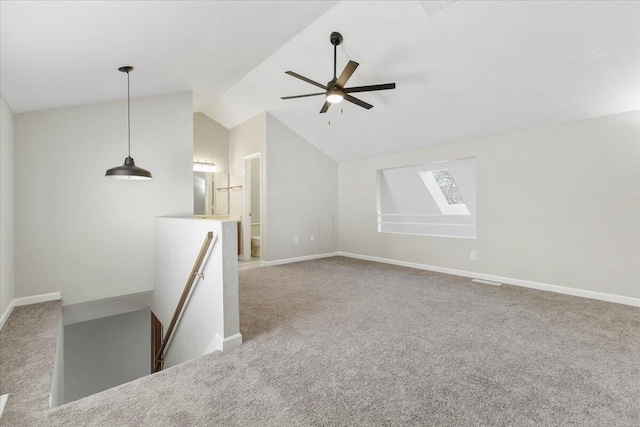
column 128, row 170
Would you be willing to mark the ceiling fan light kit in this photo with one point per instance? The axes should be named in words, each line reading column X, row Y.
column 128, row 170
column 334, row 96
column 334, row 90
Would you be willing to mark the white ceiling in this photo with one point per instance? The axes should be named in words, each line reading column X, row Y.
column 63, row 53
column 478, row 68
column 475, row 69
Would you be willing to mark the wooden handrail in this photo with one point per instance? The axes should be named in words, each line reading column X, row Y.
column 159, row 362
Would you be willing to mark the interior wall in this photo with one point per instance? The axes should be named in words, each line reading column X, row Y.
column 246, row 139
column 104, row 353
column 302, row 194
column 557, row 205
column 80, row 233
column 6, row 205
column 57, row 379
column 402, row 191
column 210, row 318
column 210, row 142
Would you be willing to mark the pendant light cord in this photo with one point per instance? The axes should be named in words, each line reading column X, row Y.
column 129, row 114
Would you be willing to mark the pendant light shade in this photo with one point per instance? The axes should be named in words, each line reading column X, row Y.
column 128, row 170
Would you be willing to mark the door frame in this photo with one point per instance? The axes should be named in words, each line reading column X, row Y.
column 246, row 211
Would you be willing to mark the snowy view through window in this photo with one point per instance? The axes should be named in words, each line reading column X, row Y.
column 448, row 186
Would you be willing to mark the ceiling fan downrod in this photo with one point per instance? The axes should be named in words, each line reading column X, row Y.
column 336, row 39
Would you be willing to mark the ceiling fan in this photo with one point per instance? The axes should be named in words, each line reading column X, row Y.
column 335, row 91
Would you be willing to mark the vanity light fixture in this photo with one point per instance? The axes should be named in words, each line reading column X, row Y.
column 204, row 167
column 128, row 170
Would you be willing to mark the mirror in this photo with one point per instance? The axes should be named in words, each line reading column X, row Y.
column 202, row 182
column 210, row 193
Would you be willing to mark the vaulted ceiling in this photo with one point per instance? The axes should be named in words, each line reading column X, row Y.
column 64, row 53
column 472, row 69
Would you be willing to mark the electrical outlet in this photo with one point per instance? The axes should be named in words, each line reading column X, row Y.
column 296, row 240
column 473, row 255
column 313, row 237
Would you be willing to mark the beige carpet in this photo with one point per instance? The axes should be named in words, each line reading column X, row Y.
column 346, row 342
column 27, row 353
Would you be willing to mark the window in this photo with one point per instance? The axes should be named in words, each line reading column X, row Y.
column 445, row 192
column 433, row 199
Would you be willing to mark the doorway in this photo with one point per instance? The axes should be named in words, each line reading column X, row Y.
column 252, row 244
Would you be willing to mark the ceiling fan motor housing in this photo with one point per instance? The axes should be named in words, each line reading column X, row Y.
column 336, row 38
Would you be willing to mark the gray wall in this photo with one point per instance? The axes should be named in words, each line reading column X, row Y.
column 558, row 205
column 78, row 232
column 246, row 139
column 302, row 194
column 104, row 353
column 211, row 313
column 210, row 142
column 6, row 205
column 301, row 188
column 57, row 379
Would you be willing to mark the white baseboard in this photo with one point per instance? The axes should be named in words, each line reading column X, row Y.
column 620, row 299
column 6, row 314
column 224, row 344
column 3, row 401
column 105, row 307
column 18, row 302
column 250, row 266
column 298, row 259
column 36, row 299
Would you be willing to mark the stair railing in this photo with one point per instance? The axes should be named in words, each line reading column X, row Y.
column 208, row 242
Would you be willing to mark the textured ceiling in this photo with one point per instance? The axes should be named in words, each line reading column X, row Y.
column 474, row 69
column 463, row 69
column 63, row 53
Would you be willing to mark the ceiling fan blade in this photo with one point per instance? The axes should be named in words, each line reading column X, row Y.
column 370, row 88
column 298, row 76
column 346, row 73
column 303, row 96
column 325, row 107
column 358, row 102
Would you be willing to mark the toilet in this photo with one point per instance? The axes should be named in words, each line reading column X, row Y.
column 255, row 246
